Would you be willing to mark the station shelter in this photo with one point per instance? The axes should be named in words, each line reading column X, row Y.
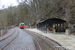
column 52, row 25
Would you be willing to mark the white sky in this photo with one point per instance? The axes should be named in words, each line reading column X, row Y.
column 7, row 3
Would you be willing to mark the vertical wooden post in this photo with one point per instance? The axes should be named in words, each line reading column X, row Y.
column 57, row 27
column 52, row 28
column 46, row 27
column 60, row 27
column 63, row 27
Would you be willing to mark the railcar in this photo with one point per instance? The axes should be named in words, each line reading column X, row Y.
column 21, row 26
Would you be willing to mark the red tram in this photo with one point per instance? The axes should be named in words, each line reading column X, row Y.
column 21, row 25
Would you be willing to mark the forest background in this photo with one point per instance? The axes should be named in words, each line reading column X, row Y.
column 36, row 11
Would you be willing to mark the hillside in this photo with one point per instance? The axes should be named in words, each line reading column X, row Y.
column 38, row 10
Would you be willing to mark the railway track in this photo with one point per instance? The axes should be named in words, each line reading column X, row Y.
column 8, row 36
column 10, row 40
column 44, row 43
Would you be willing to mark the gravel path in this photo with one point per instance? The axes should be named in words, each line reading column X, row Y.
column 67, row 41
column 4, row 42
column 23, row 42
column 8, row 33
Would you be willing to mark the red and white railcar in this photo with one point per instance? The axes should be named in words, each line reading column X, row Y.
column 21, row 26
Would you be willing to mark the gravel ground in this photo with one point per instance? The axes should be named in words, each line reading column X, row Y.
column 8, row 33
column 23, row 42
column 4, row 42
column 67, row 41
column 43, row 42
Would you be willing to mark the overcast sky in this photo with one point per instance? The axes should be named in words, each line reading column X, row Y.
column 7, row 3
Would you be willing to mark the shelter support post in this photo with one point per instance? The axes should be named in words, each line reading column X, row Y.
column 46, row 28
column 63, row 27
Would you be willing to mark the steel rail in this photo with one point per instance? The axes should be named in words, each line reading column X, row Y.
column 41, row 38
column 7, row 36
column 35, row 40
column 9, row 41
